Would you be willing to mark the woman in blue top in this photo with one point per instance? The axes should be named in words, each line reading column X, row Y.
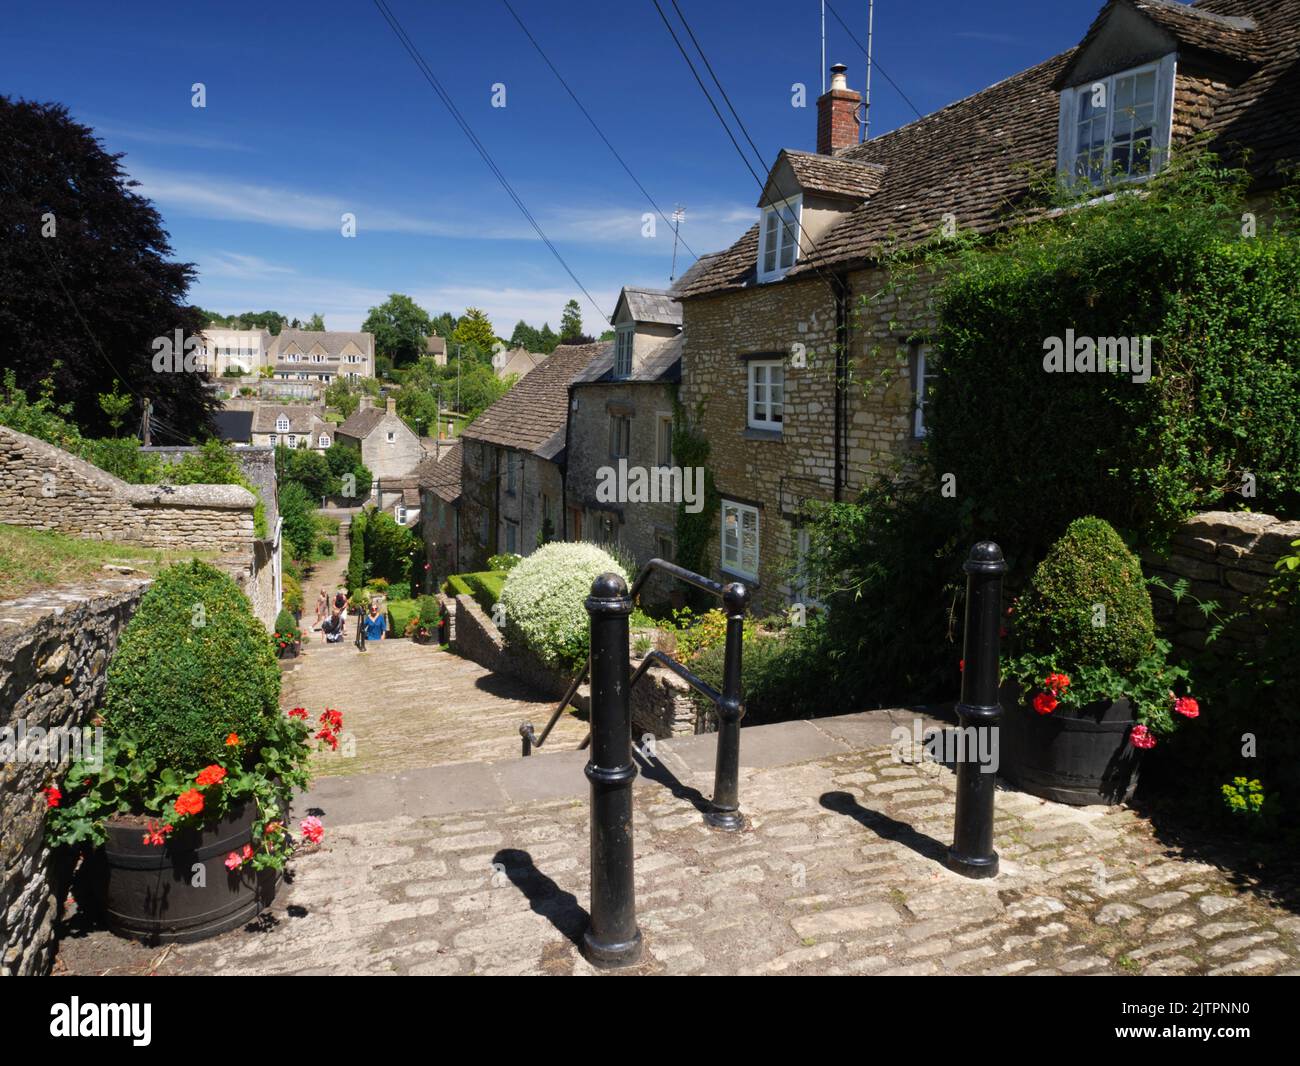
column 375, row 623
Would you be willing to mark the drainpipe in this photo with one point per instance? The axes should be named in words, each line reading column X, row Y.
column 841, row 385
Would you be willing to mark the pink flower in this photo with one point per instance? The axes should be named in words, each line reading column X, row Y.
column 312, row 829
column 1142, row 737
column 234, row 861
column 1187, row 707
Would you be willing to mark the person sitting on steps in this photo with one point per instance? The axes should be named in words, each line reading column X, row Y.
column 332, row 627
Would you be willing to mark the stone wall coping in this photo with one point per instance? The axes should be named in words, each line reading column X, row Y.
column 217, row 497
column 20, row 613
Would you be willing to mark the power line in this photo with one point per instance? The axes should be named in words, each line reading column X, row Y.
column 764, row 198
column 598, row 130
column 486, row 156
column 874, row 62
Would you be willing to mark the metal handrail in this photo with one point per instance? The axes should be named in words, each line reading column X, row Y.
column 531, row 740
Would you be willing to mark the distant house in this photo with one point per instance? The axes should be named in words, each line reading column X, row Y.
column 439, row 478
column 322, row 355
column 389, row 447
column 517, row 361
column 512, row 468
column 435, row 348
column 233, row 351
column 293, row 425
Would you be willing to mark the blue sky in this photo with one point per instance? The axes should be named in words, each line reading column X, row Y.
column 313, row 110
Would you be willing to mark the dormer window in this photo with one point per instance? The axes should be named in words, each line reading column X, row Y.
column 282, row 424
column 1116, row 128
column 623, row 351
column 778, row 238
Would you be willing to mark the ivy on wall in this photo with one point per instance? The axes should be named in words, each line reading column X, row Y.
column 691, row 449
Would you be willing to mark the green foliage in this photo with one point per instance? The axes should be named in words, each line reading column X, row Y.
column 324, row 548
column 504, row 561
column 401, row 613
column 775, row 673
column 290, row 592
column 391, row 548
column 343, row 460
column 474, row 327
column 1030, row 450
column 115, row 405
column 571, row 323
column 543, row 600
column 286, row 630
column 694, row 530
column 1088, row 602
column 216, row 464
column 271, row 321
column 400, row 327
column 193, row 666
column 298, row 519
column 308, row 468
column 483, row 587
column 356, row 573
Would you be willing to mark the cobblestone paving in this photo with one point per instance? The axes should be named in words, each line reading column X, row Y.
column 839, row 873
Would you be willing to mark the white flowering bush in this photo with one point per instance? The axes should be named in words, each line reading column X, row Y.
column 543, row 601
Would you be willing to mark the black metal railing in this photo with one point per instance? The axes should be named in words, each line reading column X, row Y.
column 531, row 741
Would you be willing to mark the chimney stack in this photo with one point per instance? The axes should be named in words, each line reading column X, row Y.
column 392, row 405
column 837, row 114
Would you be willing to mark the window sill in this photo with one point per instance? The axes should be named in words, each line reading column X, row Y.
column 749, row 582
column 763, row 434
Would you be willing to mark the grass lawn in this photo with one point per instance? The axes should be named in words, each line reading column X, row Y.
column 31, row 560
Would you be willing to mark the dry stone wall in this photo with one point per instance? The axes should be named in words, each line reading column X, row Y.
column 54, row 650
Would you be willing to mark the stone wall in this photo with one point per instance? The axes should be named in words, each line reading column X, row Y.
column 775, row 472
column 487, row 505
column 54, row 647
column 258, row 465
column 43, row 487
column 1225, row 556
column 661, row 703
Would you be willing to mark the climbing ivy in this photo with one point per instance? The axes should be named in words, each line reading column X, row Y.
column 691, row 449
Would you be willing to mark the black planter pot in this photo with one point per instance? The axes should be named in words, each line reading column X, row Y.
column 149, row 892
column 290, row 651
column 1082, row 757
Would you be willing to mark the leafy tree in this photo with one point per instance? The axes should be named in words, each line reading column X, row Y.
column 390, row 547
column 74, row 233
column 480, row 388
column 547, row 339
column 316, row 322
column 299, row 520
column 308, row 468
column 271, row 321
column 343, row 460
column 526, row 337
column 570, row 323
column 400, row 327
column 475, row 328
column 340, row 395
column 115, row 406
column 444, row 325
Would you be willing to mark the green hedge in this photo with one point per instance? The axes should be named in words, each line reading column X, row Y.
column 399, row 613
column 1031, row 450
column 485, row 587
column 193, row 666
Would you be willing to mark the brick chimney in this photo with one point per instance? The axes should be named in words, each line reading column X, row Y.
column 365, row 402
column 392, row 405
column 837, row 118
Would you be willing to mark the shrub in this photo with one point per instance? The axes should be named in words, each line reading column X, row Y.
column 297, row 512
column 192, row 667
column 543, row 600
column 325, row 548
column 1088, row 601
column 390, row 547
column 286, row 631
column 356, row 575
column 291, row 592
column 484, row 587
column 401, row 613
column 504, row 561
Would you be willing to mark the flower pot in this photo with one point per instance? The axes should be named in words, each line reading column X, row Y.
column 290, row 651
column 1081, row 756
column 157, row 895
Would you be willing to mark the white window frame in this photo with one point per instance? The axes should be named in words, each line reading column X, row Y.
column 735, row 561
column 1165, row 70
column 924, row 370
column 273, row 438
column 620, row 436
column 662, row 441
column 292, row 440
column 787, row 236
column 764, row 419
column 392, row 436
column 624, row 337
column 282, row 424
column 323, row 441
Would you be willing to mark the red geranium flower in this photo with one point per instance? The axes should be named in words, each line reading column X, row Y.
column 210, row 775
column 1142, row 737
column 1058, row 683
column 190, row 802
column 1187, row 707
column 298, row 712
column 1045, row 703
column 155, row 835
column 333, row 719
column 232, row 740
column 312, row 829
column 52, row 796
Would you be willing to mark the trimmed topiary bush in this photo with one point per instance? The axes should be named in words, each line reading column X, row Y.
column 543, row 600
column 193, row 666
column 1088, row 600
column 504, row 561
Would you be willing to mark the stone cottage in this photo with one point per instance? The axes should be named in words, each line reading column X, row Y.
column 439, row 478
column 389, row 447
column 806, row 381
column 512, row 466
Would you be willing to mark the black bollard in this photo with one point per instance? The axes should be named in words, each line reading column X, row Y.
column 978, row 714
column 724, row 810
column 612, row 938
